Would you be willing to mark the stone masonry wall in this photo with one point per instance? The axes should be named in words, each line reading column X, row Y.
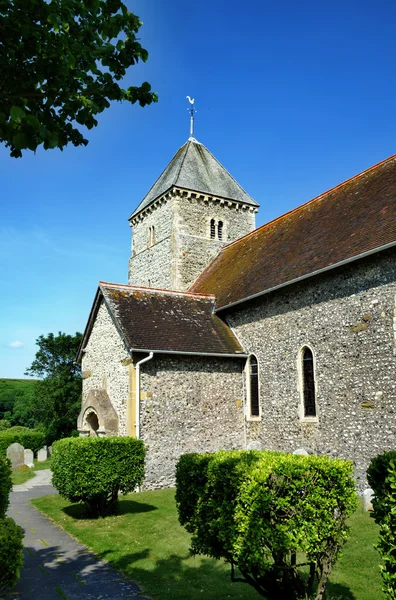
column 346, row 317
column 152, row 266
column 194, row 248
column 188, row 404
column 183, row 246
column 105, row 365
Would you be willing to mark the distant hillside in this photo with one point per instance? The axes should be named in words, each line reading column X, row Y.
column 12, row 390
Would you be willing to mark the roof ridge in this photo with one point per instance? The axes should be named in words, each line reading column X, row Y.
column 182, row 160
column 159, row 177
column 294, row 210
column 161, row 290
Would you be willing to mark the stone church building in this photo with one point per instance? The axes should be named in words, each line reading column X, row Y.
column 230, row 337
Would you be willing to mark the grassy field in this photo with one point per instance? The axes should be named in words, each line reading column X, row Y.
column 23, row 475
column 146, row 543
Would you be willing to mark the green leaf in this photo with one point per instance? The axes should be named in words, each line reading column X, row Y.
column 33, row 122
column 17, row 113
column 19, row 141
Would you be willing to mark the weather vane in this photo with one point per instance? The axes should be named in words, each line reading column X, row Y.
column 191, row 110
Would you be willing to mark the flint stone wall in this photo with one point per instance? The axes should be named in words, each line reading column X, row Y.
column 347, row 318
column 183, row 246
column 188, row 404
column 105, row 368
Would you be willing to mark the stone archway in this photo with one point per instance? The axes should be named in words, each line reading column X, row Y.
column 97, row 416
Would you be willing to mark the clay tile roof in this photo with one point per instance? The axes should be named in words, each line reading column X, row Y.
column 351, row 219
column 195, row 168
column 168, row 321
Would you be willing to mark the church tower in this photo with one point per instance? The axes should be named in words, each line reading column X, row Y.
column 192, row 210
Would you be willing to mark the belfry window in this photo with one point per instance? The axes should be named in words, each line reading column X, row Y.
column 308, row 381
column 216, row 230
column 253, row 387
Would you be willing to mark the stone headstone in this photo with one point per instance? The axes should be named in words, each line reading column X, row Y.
column 42, row 454
column 301, row 451
column 15, row 453
column 255, row 445
column 28, row 458
column 368, row 496
column 49, row 450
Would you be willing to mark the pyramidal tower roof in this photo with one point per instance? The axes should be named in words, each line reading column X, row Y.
column 195, row 168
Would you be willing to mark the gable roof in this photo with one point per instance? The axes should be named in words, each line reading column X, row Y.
column 355, row 218
column 163, row 321
column 195, row 168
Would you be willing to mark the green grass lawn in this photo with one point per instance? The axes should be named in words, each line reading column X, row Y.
column 23, row 475
column 146, row 543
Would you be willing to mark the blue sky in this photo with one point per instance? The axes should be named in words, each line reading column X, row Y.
column 292, row 98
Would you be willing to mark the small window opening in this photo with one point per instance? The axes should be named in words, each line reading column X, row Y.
column 308, row 383
column 212, row 229
column 254, row 387
column 220, row 230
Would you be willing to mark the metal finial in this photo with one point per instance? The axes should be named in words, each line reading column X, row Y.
column 191, row 111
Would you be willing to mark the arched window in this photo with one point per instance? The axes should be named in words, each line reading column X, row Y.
column 153, row 235
column 220, row 230
column 308, row 382
column 212, row 229
column 253, row 387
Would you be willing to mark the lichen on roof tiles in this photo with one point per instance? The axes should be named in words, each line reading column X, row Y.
column 167, row 321
column 356, row 217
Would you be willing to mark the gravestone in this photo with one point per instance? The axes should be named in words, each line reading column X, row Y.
column 28, row 458
column 42, row 454
column 49, row 450
column 15, row 453
column 368, row 496
column 301, row 451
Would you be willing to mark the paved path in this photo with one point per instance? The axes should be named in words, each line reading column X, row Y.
column 55, row 565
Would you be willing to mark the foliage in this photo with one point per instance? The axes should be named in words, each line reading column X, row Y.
column 33, row 439
column 11, row 554
column 260, row 510
column 377, row 477
column 381, row 475
column 96, row 470
column 58, row 395
column 146, row 542
column 5, row 485
column 4, row 424
column 16, row 402
column 60, row 64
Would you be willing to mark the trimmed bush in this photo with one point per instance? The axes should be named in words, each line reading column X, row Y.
column 96, row 470
column 381, row 476
column 5, row 485
column 377, row 476
column 11, row 554
column 261, row 510
column 28, row 438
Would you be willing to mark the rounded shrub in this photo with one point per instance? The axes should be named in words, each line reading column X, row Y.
column 269, row 514
column 95, row 470
column 11, row 555
column 28, row 438
column 5, row 485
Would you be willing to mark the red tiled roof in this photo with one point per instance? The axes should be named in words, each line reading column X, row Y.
column 152, row 319
column 356, row 217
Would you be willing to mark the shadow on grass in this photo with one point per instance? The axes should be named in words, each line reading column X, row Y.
column 78, row 511
column 207, row 580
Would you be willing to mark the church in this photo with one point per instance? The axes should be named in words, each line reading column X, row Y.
column 232, row 337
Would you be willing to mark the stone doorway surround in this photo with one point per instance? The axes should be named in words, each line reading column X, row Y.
column 97, row 416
